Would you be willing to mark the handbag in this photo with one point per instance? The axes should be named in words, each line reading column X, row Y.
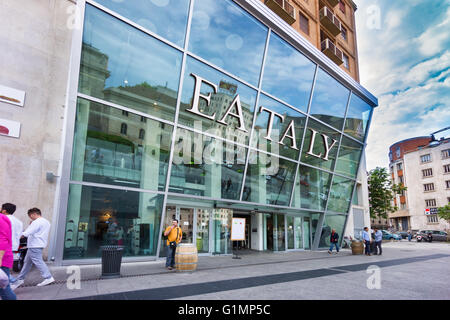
column 4, row 279
column 173, row 244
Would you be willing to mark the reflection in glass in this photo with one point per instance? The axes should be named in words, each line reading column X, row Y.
column 349, row 157
column 227, row 36
column 123, row 65
column 324, row 138
column 269, row 179
column 100, row 216
column 205, row 166
column 288, row 74
column 336, row 222
column 329, row 100
column 104, row 154
column 279, row 233
column 311, row 189
column 221, row 230
column 287, row 124
column 290, row 232
column 340, row 194
column 154, row 14
column 222, row 100
column 306, row 233
column 203, row 219
column 358, row 116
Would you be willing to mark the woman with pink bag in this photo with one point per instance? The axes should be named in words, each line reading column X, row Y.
column 6, row 255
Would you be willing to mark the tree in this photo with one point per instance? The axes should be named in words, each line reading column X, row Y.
column 382, row 192
column 444, row 212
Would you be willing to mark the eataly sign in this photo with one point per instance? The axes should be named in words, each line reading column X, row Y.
column 235, row 110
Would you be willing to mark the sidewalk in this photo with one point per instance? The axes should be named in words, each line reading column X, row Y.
column 153, row 275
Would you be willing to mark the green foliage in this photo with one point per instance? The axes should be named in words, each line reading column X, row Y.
column 444, row 212
column 382, row 193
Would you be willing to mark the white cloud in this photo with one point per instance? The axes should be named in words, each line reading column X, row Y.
column 436, row 38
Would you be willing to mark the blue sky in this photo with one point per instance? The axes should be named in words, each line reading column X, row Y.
column 404, row 57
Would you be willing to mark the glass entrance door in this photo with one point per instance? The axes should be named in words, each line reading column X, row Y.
column 307, row 233
column 294, row 233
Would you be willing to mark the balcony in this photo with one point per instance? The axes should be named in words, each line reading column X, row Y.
column 333, row 3
column 332, row 52
column 330, row 21
column 282, row 8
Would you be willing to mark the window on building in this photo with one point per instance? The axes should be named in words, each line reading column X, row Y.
column 304, row 23
column 123, row 128
column 447, row 168
column 346, row 61
column 342, row 6
column 447, row 184
column 399, row 166
column 403, row 206
column 425, row 158
column 125, row 113
column 397, row 152
column 344, row 34
column 141, row 134
column 445, row 154
column 430, row 203
column 427, row 172
column 390, row 156
column 400, row 179
column 432, row 219
column 143, row 119
column 428, row 187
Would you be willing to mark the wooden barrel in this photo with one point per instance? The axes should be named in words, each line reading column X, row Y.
column 186, row 257
column 357, row 247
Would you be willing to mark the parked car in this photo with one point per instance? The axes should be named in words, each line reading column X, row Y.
column 390, row 236
column 403, row 234
column 436, row 235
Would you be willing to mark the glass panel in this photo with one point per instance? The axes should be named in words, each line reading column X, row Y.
column 205, row 166
column 269, row 179
column 221, row 228
column 279, row 233
column 306, row 233
column 154, row 14
column 274, row 120
column 349, row 156
column 123, row 65
column 314, row 222
column 329, row 100
column 203, row 218
column 358, row 116
column 290, row 232
column 104, row 153
column 187, row 224
column 99, row 216
column 238, row 124
column 340, row 194
column 311, row 189
column 228, row 37
column 298, row 233
column 324, row 139
column 285, row 65
column 336, row 222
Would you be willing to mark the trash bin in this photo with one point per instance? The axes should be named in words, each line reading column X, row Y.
column 111, row 261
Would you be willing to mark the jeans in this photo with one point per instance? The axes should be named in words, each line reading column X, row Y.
column 7, row 293
column 334, row 244
column 378, row 247
column 170, row 260
column 34, row 256
column 367, row 243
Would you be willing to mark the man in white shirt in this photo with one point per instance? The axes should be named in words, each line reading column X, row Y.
column 8, row 210
column 37, row 234
column 367, row 239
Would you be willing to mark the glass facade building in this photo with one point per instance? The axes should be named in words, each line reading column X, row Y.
column 200, row 110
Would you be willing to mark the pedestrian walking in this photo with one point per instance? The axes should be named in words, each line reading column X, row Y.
column 174, row 235
column 378, row 241
column 334, row 239
column 409, row 236
column 6, row 256
column 367, row 240
column 37, row 234
column 8, row 210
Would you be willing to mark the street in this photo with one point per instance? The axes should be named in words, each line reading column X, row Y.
column 406, row 270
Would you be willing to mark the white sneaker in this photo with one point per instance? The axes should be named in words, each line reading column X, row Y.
column 16, row 284
column 46, row 282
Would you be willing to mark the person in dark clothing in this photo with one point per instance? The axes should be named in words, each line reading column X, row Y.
column 334, row 239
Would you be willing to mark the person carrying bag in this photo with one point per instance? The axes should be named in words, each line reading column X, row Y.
column 174, row 236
